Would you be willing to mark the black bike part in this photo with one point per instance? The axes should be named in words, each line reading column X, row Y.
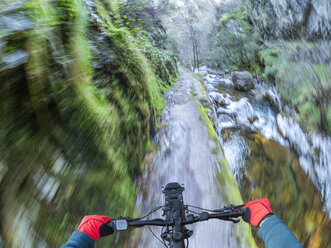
column 173, row 200
column 154, row 222
column 175, row 220
column 226, row 208
column 246, row 215
column 105, row 229
column 175, row 210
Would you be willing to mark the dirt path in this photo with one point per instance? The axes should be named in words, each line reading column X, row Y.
column 185, row 156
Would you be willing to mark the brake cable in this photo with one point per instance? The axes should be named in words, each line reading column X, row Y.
column 145, row 216
column 174, row 199
column 162, row 241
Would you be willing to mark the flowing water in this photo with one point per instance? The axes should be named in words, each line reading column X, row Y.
column 185, row 155
column 272, row 157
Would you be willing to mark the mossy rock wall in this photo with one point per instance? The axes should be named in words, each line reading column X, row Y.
column 78, row 103
column 301, row 73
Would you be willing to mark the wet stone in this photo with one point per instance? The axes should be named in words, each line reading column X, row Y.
column 13, row 60
column 218, row 98
column 224, row 118
column 14, row 23
column 225, row 121
column 222, row 110
column 243, row 80
column 210, row 88
column 226, row 81
column 11, row 7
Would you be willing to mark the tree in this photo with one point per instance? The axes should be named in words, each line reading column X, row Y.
column 236, row 42
column 189, row 26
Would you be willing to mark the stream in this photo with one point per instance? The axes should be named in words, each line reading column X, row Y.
column 272, row 157
column 265, row 150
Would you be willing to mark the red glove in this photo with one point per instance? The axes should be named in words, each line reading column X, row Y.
column 95, row 226
column 256, row 211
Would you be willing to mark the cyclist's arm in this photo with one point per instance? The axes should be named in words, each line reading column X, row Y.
column 276, row 234
column 92, row 227
column 79, row 240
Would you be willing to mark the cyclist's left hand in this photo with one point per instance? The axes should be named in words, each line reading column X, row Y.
column 95, row 226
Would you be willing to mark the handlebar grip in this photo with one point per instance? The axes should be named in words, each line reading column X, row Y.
column 112, row 225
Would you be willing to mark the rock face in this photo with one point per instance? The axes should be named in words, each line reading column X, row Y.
column 243, row 80
column 291, row 19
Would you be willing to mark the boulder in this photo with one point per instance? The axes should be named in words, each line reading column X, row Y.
column 242, row 80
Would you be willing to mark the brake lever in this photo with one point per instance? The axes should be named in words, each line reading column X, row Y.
column 230, row 208
column 235, row 221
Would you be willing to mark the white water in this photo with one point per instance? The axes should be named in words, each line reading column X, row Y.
column 313, row 149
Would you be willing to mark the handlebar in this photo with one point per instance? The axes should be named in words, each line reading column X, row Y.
column 177, row 216
column 189, row 219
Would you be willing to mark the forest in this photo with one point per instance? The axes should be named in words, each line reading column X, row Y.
column 87, row 88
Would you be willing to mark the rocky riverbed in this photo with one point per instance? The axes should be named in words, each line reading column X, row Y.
column 271, row 156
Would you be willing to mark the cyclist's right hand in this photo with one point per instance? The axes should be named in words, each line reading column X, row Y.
column 255, row 212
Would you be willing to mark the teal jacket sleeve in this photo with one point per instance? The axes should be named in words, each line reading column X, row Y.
column 276, row 234
column 79, row 240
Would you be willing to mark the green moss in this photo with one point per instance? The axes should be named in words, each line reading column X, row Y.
column 216, row 150
column 231, row 194
column 207, row 122
column 228, row 185
column 329, row 117
column 237, row 14
column 309, row 114
column 297, row 77
column 84, row 101
column 197, row 76
column 172, row 80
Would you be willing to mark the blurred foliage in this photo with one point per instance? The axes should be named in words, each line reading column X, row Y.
column 142, row 18
column 79, row 102
column 235, row 43
column 302, row 72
